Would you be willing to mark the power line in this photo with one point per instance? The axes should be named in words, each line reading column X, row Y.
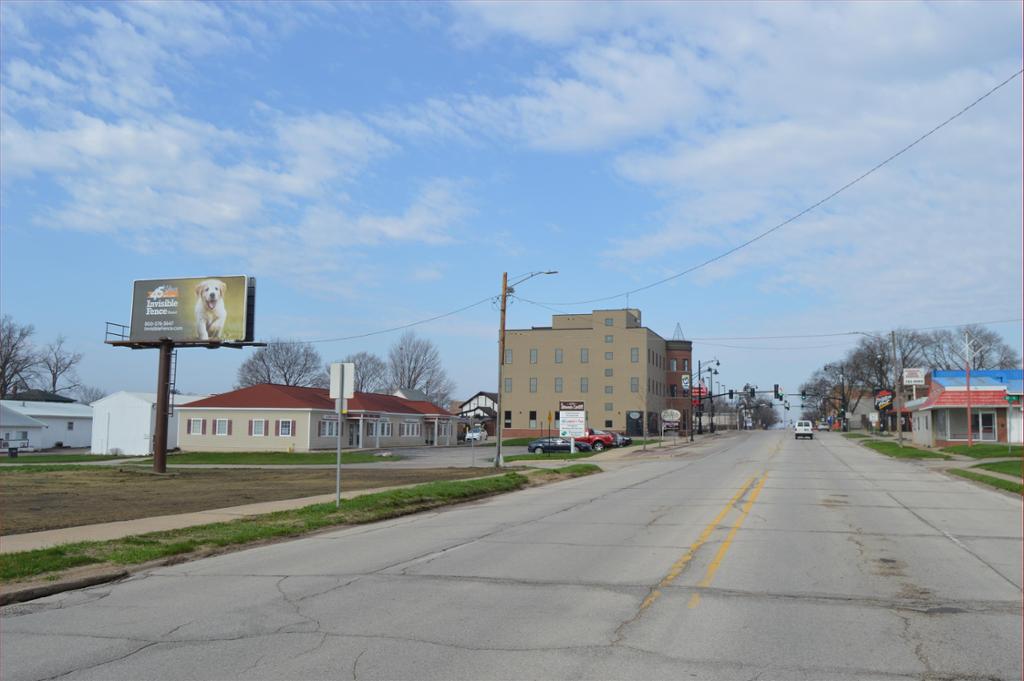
column 853, row 333
column 785, row 222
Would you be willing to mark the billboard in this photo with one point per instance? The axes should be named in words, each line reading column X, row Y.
column 193, row 309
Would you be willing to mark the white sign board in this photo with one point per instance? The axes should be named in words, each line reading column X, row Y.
column 670, row 415
column 343, row 380
column 913, row 376
column 572, row 423
column 873, row 417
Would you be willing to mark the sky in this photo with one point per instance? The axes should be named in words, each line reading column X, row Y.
column 376, row 164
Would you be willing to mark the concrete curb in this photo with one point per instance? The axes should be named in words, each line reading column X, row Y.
column 30, row 593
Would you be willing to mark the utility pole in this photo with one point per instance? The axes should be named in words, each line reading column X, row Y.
column 692, row 387
column 967, row 360
column 501, row 370
column 898, row 383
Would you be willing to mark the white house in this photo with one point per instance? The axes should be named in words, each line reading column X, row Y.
column 66, row 424
column 18, row 430
column 123, row 423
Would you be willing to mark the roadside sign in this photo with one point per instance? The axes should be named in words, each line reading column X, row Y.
column 572, row 423
column 913, row 376
column 1013, row 398
column 883, row 400
column 343, row 380
column 570, row 406
column 670, row 415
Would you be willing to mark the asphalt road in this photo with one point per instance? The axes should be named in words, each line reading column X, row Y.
column 752, row 554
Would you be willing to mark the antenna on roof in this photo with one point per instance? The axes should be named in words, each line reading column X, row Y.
column 678, row 333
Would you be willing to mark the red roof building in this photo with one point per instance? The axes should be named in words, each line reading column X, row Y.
column 272, row 417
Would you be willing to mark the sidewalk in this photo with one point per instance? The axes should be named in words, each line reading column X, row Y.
column 103, row 531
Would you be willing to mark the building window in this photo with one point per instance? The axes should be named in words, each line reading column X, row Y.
column 259, row 428
column 608, row 406
column 508, row 385
column 609, row 389
column 409, row 429
column 672, row 389
column 558, row 355
column 508, row 355
column 533, row 355
column 533, row 420
column 634, row 355
column 508, row 419
column 634, row 384
column 672, row 365
column 686, row 365
column 195, row 426
column 608, row 373
column 220, row 426
column 71, row 425
column 285, row 429
column 609, row 356
column 609, row 338
column 584, row 384
column 584, row 355
column 558, row 384
column 386, row 428
column 607, row 423
column 533, row 385
column 327, row 429
column 609, row 321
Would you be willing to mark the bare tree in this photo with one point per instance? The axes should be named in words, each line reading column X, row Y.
column 415, row 363
column 57, row 363
column 284, row 362
column 19, row 361
column 945, row 349
column 87, row 394
column 371, row 372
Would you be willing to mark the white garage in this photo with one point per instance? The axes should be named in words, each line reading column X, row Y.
column 65, row 424
column 123, row 423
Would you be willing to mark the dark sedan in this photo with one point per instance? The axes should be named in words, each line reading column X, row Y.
column 555, row 444
column 622, row 440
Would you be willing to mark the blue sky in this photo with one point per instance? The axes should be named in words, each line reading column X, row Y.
column 374, row 164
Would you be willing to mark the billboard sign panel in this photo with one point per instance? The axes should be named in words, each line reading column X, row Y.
column 193, row 309
column 913, row 376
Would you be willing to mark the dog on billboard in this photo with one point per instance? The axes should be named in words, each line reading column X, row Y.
column 211, row 315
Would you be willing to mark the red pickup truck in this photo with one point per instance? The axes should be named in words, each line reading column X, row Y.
column 598, row 440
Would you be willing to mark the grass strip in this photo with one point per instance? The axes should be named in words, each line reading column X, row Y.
column 1007, row 467
column 998, row 483
column 270, row 458
column 36, row 459
column 46, row 468
column 855, row 436
column 575, row 470
column 894, row 450
column 553, row 456
column 987, row 450
column 155, row 545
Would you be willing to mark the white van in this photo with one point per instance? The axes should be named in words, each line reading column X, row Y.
column 804, row 429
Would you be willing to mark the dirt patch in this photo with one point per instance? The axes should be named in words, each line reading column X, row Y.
column 32, row 501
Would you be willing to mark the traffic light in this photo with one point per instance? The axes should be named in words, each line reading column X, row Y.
column 803, row 394
column 753, row 392
column 730, row 394
column 777, row 395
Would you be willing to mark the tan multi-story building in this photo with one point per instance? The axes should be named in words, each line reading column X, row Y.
column 620, row 369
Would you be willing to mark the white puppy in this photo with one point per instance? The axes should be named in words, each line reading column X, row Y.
column 210, row 311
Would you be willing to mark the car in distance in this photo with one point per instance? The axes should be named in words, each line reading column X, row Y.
column 476, row 434
column 822, row 426
column 555, row 444
column 804, row 429
column 622, row 440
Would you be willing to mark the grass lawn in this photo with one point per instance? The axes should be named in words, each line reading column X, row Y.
column 270, row 458
column 985, row 450
column 855, row 436
column 894, row 450
column 998, row 483
column 553, row 456
column 367, row 508
column 58, row 458
column 1008, row 467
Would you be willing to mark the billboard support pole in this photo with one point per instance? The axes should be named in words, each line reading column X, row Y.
column 163, row 387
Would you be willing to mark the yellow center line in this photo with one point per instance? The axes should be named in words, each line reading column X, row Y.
column 713, row 567
column 677, row 567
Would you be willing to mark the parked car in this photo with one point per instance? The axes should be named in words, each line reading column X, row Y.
column 598, row 440
column 804, row 429
column 622, row 440
column 555, row 444
column 822, row 425
column 476, row 434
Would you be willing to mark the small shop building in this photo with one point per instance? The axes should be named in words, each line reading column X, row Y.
column 65, row 424
column 272, row 417
column 124, row 422
column 940, row 419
